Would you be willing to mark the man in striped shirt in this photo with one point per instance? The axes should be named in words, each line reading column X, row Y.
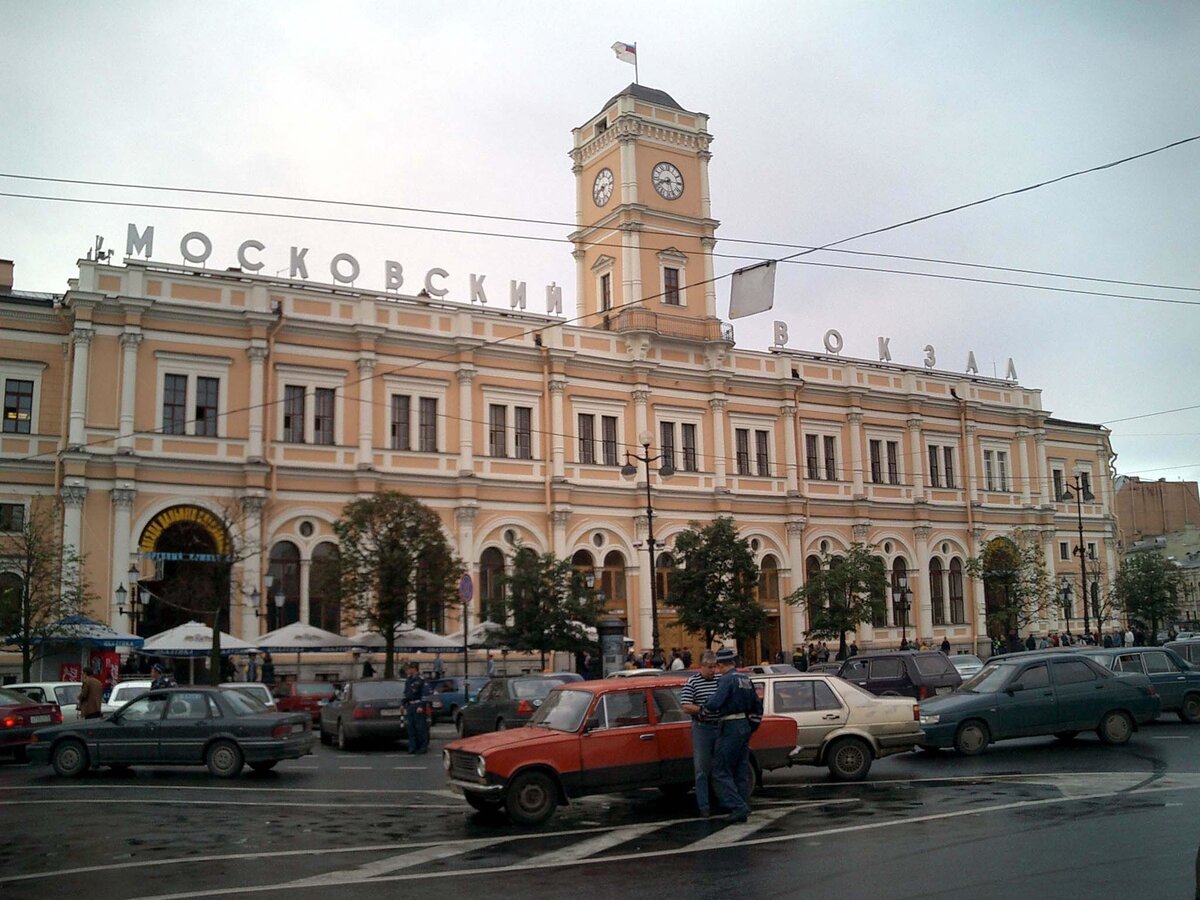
column 704, row 733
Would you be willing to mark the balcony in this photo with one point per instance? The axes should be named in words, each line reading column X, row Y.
column 680, row 327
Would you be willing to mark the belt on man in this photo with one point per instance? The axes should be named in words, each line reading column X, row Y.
column 732, row 717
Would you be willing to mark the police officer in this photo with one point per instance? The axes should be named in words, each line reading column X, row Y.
column 162, row 678
column 414, row 709
column 736, row 704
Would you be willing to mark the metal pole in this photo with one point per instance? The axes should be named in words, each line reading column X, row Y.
column 1087, row 627
column 650, row 550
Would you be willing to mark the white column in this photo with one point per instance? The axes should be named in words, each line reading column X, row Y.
column 645, row 635
column 1051, row 614
column 720, row 463
column 918, row 458
column 73, row 496
column 257, row 351
column 558, row 428
column 366, row 411
column 122, row 503
column 629, row 174
column 129, row 346
column 464, row 519
column 581, row 287
column 923, row 595
column 558, row 520
column 305, row 570
column 789, row 448
column 79, row 382
column 795, row 543
column 251, row 580
column 710, row 281
column 1023, row 472
column 466, row 416
column 1044, row 481
column 855, row 462
column 641, row 415
column 969, row 452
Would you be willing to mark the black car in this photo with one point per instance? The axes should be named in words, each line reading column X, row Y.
column 365, row 710
column 507, row 702
column 907, row 673
column 188, row 726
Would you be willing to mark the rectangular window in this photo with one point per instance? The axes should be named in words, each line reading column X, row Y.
column 666, row 431
column 401, row 410
column 207, row 391
column 1064, row 551
column 958, row 609
column 18, row 406
column 1085, row 483
column 690, row 463
column 935, row 478
column 427, row 425
column 293, row 413
column 948, row 455
column 893, row 462
column 1091, row 550
column 1057, row 474
column 323, row 404
column 812, row 461
column 587, row 439
column 605, row 292
column 523, row 431
column 12, row 516
column 876, row 462
column 497, row 429
column 831, row 472
column 762, row 459
column 742, row 442
column 1002, row 470
column 671, row 286
column 989, row 470
column 608, row 438
column 174, row 404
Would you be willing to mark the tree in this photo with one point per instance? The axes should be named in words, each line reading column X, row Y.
column 1148, row 588
column 42, row 583
column 847, row 591
column 551, row 604
column 713, row 589
column 1013, row 569
column 395, row 559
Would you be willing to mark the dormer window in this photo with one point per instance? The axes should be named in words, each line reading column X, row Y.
column 601, row 126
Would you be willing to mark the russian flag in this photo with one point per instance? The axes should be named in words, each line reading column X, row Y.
column 625, row 52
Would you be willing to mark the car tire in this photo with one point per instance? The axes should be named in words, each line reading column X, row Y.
column 971, row 739
column 532, row 797
column 483, row 804
column 265, row 766
column 501, row 725
column 343, row 741
column 70, row 759
column 849, row 759
column 756, row 778
column 460, row 726
column 1116, row 728
column 326, row 737
column 1066, row 735
column 1190, row 711
column 224, row 759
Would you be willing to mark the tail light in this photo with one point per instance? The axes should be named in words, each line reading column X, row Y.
column 56, row 716
column 923, row 693
column 365, row 712
column 524, row 708
column 11, row 721
column 281, row 731
column 916, row 713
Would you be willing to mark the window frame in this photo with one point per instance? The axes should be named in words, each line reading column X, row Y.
column 24, row 370
column 310, row 378
column 193, row 366
column 418, row 390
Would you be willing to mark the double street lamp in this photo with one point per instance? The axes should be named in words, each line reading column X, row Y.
column 280, row 599
column 135, row 606
column 1066, row 600
column 666, row 470
column 902, row 603
column 1081, row 493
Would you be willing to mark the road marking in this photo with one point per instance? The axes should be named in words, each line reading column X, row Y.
column 358, row 768
column 281, row 789
column 272, row 804
column 1172, row 737
column 598, row 844
column 408, row 768
column 407, row 860
column 734, row 833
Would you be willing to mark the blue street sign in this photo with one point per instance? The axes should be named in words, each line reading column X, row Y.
column 465, row 589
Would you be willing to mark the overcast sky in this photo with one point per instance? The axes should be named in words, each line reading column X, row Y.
column 829, row 119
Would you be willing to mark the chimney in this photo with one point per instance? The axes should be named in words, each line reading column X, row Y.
column 6, row 276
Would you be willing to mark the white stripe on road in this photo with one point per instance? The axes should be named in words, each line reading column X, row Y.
column 598, row 844
column 279, row 789
column 270, row 803
column 358, row 768
column 735, row 832
column 390, row 864
column 1172, row 737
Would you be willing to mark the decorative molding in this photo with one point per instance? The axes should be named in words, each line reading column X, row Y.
column 560, row 517
column 860, row 532
column 73, row 495
column 914, row 424
column 855, row 418
column 366, row 364
column 558, row 384
column 466, row 374
column 465, row 515
column 795, row 527
column 122, row 498
column 130, row 339
column 717, row 404
column 83, row 336
column 253, row 505
column 788, row 410
column 257, row 354
column 640, row 396
column 921, row 532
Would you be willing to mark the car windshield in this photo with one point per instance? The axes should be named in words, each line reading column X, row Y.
column 313, row 690
column 533, row 688
column 563, row 710
column 988, row 680
column 67, row 694
column 966, row 660
column 13, row 698
column 243, row 705
column 379, row 690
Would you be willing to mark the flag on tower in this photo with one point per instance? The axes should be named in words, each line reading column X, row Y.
column 626, row 52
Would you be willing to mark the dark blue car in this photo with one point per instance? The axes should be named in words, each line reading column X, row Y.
column 1176, row 680
column 445, row 695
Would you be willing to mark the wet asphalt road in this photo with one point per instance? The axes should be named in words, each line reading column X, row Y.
column 1028, row 818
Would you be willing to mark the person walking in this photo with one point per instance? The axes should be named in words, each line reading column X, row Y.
column 252, row 667
column 736, row 704
column 91, row 695
column 676, row 662
column 268, row 669
column 414, row 711
column 853, row 648
column 439, row 668
column 946, row 645
column 696, row 691
column 491, row 665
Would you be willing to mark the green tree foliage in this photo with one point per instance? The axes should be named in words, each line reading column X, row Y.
column 848, row 591
column 551, row 604
column 713, row 588
column 395, row 560
column 1148, row 588
column 1019, row 588
column 43, row 583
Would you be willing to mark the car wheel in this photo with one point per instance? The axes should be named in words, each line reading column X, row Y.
column 1115, row 728
column 266, row 766
column 70, row 759
column 531, row 798
column 460, row 725
column 1190, row 711
column 483, row 804
column 971, row 739
column 849, row 759
column 224, row 759
column 501, row 725
column 755, row 778
column 1065, row 735
column 326, row 737
column 343, row 742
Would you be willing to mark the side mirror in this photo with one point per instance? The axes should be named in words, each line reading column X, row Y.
column 1013, row 688
column 593, row 724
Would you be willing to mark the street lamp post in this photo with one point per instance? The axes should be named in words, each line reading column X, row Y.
column 666, row 470
column 256, row 597
column 1066, row 601
column 901, row 602
column 1081, row 493
column 135, row 606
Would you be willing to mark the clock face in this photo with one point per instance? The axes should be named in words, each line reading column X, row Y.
column 668, row 181
column 602, row 188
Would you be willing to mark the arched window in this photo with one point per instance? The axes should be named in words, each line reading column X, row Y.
column 324, row 588
column 583, row 563
column 768, row 582
column 900, row 610
column 491, row 595
column 662, row 571
column 937, row 598
column 612, row 582
column 958, row 612
column 284, row 566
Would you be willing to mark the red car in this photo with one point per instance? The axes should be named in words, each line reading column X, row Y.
column 303, row 696
column 595, row 737
column 20, row 717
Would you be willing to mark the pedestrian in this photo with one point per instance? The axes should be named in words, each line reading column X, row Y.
column 1031, row 642
column 439, row 668
column 692, row 698
column 491, row 665
column 1107, row 641
column 676, row 662
column 853, row 647
column 414, row 711
column 268, row 669
column 737, row 705
column 687, row 658
column 657, row 660
column 800, row 659
column 91, row 695
column 1128, row 636
column 162, row 678
column 946, row 645
column 252, row 667
column 368, row 669
column 823, row 653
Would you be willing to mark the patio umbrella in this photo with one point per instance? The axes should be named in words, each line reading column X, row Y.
column 409, row 639
column 481, row 635
column 192, row 641
column 302, row 638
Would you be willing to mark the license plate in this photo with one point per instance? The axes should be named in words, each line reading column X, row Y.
column 297, row 727
column 944, row 690
column 37, row 720
column 391, row 712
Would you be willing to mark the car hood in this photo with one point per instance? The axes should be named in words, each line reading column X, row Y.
column 515, row 737
column 959, row 701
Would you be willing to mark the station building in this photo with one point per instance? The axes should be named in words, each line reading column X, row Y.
column 152, row 399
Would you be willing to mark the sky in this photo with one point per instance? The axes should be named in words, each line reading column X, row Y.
column 829, row 119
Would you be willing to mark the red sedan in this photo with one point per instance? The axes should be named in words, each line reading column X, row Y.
column 303, row 696
column 20, row 717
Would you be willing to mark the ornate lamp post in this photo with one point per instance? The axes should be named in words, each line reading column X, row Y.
column 1066, row 600
column 134, row 609
column 666, row 470
column 1081, row 493
column 256, row 597
column 902, row 602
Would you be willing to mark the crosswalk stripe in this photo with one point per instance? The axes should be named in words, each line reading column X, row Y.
column 393, row 863
column 598, row 844
column 735, row 832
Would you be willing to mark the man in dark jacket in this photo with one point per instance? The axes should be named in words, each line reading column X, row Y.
column 414, row 710
column 738, row 710
column 91, row 694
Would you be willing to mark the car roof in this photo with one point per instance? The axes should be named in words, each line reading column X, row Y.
column 41, row 684
column 609, row 685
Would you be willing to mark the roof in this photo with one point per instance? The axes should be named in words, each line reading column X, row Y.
column 649, row 94
column 604, row 685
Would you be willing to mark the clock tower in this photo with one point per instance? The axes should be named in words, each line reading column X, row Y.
column 644, row 228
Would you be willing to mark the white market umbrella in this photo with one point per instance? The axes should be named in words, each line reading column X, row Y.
column 409, row 639
column 302, row 638
column 192, row 639
column 482, row 634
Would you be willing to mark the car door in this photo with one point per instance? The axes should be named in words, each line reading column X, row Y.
column 1168, row 679
column 338, row 706
column 1082, row 694
column 855, row 670
column 815, row 708
column 185, row 727
column 478, row 716
column 674, row 736
column 134, row 737
column 888, row 676
column 620, row 747
column 1027, row 705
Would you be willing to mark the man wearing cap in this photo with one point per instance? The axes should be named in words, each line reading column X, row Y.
column 414, row 711
column 692, row 698
column 734, row 702
column 161, row 678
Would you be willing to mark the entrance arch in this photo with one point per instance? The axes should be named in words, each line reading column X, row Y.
column 190, row 550
column 1001, row 568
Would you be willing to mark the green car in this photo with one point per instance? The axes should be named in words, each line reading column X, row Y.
column 1029, row 694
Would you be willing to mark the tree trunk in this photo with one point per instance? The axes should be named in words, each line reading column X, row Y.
column 214, row 656
column 842, row 651
column 389, row 659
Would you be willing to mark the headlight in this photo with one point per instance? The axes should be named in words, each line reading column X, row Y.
column 930, row 720
column 480, row 767
column 446, row 760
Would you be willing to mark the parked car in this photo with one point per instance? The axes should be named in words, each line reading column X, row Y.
column 906, row 673
column 841, row 725
column 365, row 710
column 635, row 673
column 64, row 694
column 967, row 664
column 303, row 696
column 1176, row 680
column 829, row 668
column 123, row 692
column 773, row 669
column 20, row 717
column 182, row 726
column 255, row 690
column 506, row 702
column 1033, row 693
column 1189, row 649
column 594, row 737
column 445, row 696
